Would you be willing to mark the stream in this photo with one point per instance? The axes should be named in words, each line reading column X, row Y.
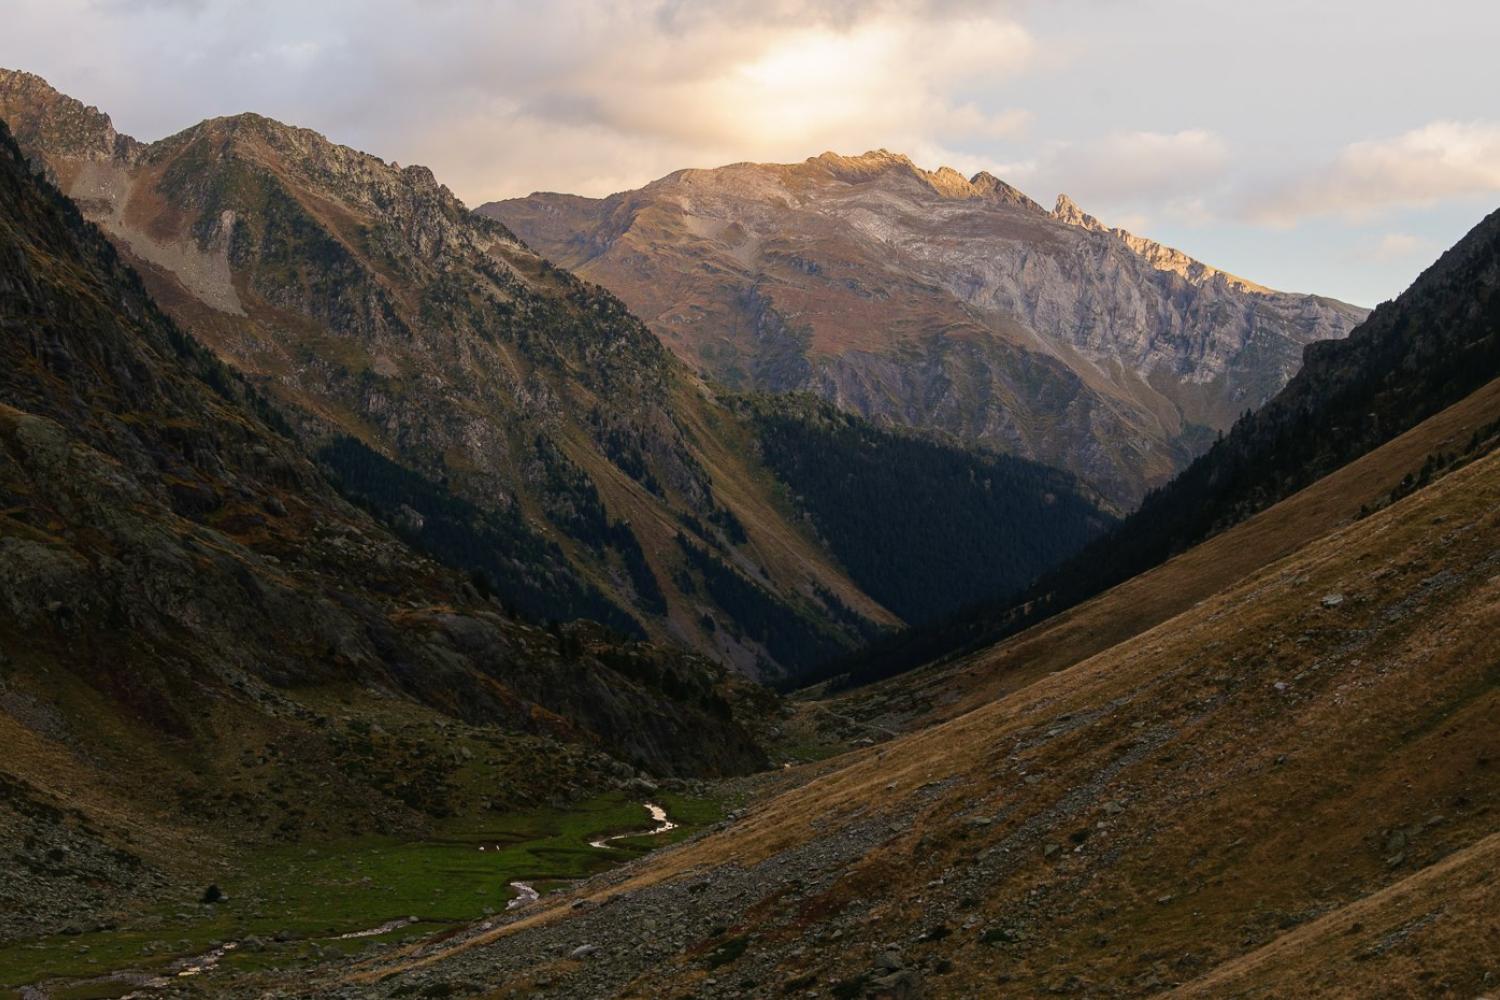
column 658, row 816
column 526, row 894
column 194, row 966
column 385, row 928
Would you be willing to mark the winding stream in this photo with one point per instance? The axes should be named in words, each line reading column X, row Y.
column 184, row 968
column 385, row 928
column 658, row 816
column 525, row 893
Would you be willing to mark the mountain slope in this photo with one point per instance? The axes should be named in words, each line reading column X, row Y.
column 199, row 632
column 1431, row 347
column 1435, row 344
column 497, row 411
column 1201, row 806
column 945, row 688
column 983, row 522
column 931, row 300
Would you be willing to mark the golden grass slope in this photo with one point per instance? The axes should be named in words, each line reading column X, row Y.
column 946, row 689
column 1312, row 747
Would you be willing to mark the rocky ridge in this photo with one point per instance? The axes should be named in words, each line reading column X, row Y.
column 183, row 591
column 497, row 411
column 928, row 299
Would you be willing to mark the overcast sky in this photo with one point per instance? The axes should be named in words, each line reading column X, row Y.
column 1335, row 146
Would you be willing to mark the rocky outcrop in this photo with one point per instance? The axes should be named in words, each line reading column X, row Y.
column 503, row 414
column 542, row 436
column 41, row 118
column 1159, row 256
column 162, row 539
column 928, row 299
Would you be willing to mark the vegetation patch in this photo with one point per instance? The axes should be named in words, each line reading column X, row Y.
column 923, row 526
column 290, row 905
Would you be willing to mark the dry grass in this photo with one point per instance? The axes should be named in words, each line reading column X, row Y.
column 1266, row 750
column 946, row 690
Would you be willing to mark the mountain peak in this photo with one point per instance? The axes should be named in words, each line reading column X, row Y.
column 865, row 166
column 1067, row 210
column 995, row 189
column 945, row 180
column 41, row 116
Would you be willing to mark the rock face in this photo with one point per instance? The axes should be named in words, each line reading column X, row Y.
column 492, row 407
column 1436, row 343
column 1430, row 347
column 503, row 414
column 162, row 541
column 197, row 632
column 934, row 300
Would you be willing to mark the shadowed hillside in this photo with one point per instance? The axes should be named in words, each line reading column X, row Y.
column 501, row 414
column 201, row 639
column 1434, row 345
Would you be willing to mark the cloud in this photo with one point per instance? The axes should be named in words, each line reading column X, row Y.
column 502, row 97
column 655, row 94
column 1130, row 165
column 1121, row 174
column 1396, row 247
column 1439, row 161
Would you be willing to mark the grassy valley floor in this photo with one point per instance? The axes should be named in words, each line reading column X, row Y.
column 289, row 906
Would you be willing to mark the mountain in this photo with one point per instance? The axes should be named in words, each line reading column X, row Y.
column 202, row 640
column 1285, row 788
column 504, row 415
column 944, row 687
column 1436, row 343
column 258, row 744
column 930, row 300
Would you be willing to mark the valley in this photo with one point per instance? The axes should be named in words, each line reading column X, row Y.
column 501, row 414
column 295, row 906
column 1121, row 824
column 831, row 579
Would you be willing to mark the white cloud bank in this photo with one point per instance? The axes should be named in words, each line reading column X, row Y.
column 1442, row 160
column 502, row 97
column 1205, row 124
column 1131, row 177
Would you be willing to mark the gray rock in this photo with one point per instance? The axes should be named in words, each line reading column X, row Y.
column 903, row 985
